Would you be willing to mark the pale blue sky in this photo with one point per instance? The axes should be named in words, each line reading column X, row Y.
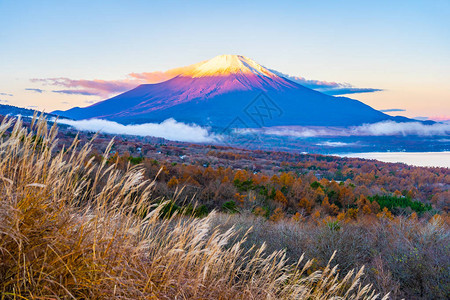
column 402, row 47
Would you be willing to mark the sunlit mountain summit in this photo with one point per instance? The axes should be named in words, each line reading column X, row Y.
column 226, row 88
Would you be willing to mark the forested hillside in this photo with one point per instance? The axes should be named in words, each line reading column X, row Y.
column 91, row 217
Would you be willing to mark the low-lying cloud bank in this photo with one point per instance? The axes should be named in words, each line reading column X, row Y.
column 385, row 128
column 177, row 131
column 405, row 128
column 335, row 144
column 169, row 129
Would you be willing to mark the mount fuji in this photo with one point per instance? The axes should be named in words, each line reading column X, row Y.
column 230, row 91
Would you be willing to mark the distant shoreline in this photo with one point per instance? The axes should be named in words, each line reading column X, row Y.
column 419, row 159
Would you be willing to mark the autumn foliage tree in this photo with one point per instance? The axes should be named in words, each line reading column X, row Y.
column 280, row 197
column 305, row 204
column 330, row 209
column 173, row 182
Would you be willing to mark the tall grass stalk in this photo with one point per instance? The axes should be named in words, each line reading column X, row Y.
column 71, row 229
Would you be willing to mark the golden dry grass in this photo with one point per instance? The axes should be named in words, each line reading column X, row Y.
column 73, row 229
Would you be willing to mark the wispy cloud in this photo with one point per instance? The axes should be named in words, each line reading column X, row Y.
column 347, row 91
column 75, row 92
column 35, row 90
column 311, row 83
column 169, row 129
column 96, row 87
column 327, row 87
column 108, row 88
column 6, row 94
column 152, row 77
column 392, row 110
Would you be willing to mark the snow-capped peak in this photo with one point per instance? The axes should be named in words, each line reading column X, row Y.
column 225, row 65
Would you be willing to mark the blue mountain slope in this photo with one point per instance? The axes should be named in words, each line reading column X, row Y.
column 300, row 106
column 234, row 92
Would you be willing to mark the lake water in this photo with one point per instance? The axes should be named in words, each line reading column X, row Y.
column 421, row 159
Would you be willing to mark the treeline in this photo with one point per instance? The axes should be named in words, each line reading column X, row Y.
column 285, row 194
